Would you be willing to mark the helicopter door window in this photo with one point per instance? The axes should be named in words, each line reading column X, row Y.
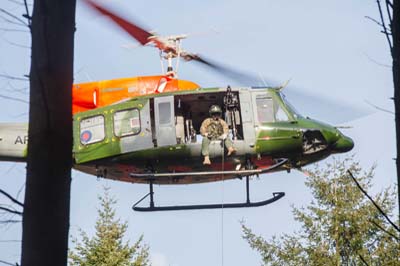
column 92, row 129
column 165, row 113
column 265, row 110
column 126, row 123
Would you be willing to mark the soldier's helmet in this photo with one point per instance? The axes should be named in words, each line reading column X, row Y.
column 215, row 110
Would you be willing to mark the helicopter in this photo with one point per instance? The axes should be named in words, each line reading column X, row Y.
column 146, row 129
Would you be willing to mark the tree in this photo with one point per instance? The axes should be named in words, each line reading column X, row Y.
column 106, row 248
column 394, row 21
column 48, row 180
column 339, row 227
column 389, row 21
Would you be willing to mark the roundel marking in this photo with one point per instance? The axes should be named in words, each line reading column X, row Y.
column 86, row 136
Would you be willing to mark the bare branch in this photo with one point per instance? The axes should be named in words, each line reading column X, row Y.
column 10, row 222
column 16, row 44
column 13, row 16
column 13, row 99
column 10, row 241
column 373, row 202
column 7, row 263
column 373, row 20
column 10, row 210
column 11, row 198
column 385, row 31
column 12, row 22
column 20, row 190
column 13, row 78
column 21, row 115
column 16, row 2
column 379, row 108
column 12, row 30
column 27, row 15
column 389, row 14
column 13, row 89
column 376, row 62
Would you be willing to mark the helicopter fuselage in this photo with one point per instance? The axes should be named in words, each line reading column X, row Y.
column 159, row 133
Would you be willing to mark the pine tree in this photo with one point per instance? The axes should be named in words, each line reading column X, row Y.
column 107, row 247
column 339, row 227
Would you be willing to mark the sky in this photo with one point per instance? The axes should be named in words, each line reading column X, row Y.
column 325, row 48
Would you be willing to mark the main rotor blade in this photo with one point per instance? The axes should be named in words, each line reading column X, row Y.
column 141, row 35
column 244, row 78
column 323, row 108
column 314, row 105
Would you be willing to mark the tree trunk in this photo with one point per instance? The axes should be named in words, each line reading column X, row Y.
column 396, row 81
column 47, row 195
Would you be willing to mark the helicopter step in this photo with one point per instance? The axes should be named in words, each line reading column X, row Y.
column 247, row 204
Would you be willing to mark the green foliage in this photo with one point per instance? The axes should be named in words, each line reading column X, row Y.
column 339, row 227
column 107, row 248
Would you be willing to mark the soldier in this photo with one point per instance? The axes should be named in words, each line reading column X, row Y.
column 214, row 128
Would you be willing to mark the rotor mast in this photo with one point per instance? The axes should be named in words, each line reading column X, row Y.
column 170, row 50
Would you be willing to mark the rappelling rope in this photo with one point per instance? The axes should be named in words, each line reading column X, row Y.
column 222, row 203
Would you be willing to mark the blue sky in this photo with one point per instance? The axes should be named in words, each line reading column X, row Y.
column 326, row 48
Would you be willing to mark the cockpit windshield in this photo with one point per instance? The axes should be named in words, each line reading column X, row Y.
column 296, row 114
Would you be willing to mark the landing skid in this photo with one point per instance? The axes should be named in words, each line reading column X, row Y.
column 247, row 204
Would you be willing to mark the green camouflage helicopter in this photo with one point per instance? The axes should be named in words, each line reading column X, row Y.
column 154, row 138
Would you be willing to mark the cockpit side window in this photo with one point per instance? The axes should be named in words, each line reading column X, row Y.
column 295, row 113
column 265, row 109
column 280, row 114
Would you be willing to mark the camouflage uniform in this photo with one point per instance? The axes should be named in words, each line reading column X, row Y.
column 214, row 130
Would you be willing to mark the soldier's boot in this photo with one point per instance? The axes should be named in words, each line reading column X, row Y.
column 231, row 150
column 207, row 160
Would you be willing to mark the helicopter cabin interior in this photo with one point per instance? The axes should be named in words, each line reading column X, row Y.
column 181, row 122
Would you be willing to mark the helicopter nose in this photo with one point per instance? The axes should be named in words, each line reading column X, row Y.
column 343, row 144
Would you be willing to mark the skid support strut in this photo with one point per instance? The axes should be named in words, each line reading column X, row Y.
column 151, row 194
column 247, row 190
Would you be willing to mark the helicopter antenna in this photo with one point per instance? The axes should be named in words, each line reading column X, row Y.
column 281, row 87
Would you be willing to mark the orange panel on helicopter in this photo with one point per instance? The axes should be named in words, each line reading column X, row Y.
column 87, row 96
